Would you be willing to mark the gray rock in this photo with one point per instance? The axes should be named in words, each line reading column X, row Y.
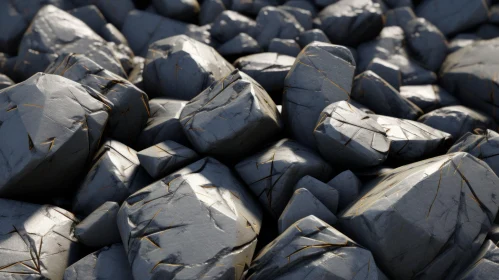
column 399, row 17
column 231, row 118
column 180, row 67
column 165, row 157
column 312, row 35
column 229, row 24
column 428, row 97
column 494, row 233
column 115, row 12
column 374, row 92
column 251, row 8
column 304, row 17
column 360, row 106
column 241, row 45
column 435, row 213
column 348, row 186
column 351, row 22
column 272, row 173
column 322, row 74
column 111, row 34
column 135, row 76
column 197, row 222
column 387, row 71
column 284, row 46
column 273, row 23
column 457, row 120
column 91, row 16
column 185, row 10
column 210, row 10
column 36, row 242
column 326, row 194
column 115, row 175
column 302, row 204
column 305, row 5
column 50, row 127
column 311, row 249
column 128, row 104
column 107, row 263
column 99, row 229
column 485, row 266
column 349, row 138
column 462, row 40
column 5, row 81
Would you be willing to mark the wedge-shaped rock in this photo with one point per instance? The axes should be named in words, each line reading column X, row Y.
column 115, row 175
column 186, row 10
column 484, row 147
column 107, row 263
column 129, row 105
column 348, row 187
column 197, row 222
column 435, row 213
column 210, row 10
column 326, row 194
column 372, row 91
column 310, row 36
column 387, row 71
column 5, row 81
column 272, row 173
column 284, row 46
column 485, row 266
column 180, row 67
column 457, row 120
column 99, row 229
column 302, row 204
column 349, row 138
column 273, row 23
column 36, row 242
column 229, row 24
column 164, row 158
column 322, row 74
column 49, row 128
column 241, row 45
column 351, row 22
column 311, row 249
column 428, row 97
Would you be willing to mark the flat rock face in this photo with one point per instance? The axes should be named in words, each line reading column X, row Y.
column 322, row 74
column 197, row 222
column 36, row 242
column 428, row 97
column 107, row 263
column 50, row 127
column 387, row 71
column 242, row 44
column 273, row 23
column 99, row 229
column 485, row 265
column 229, row 24
column 310, row 249
column 348, row 187
column 435, row 213
column 230, row 118
column 284, row 46
column 272, row 173
column 312, row 35
column 349, row 138
column 326, row 194
column 180, row 67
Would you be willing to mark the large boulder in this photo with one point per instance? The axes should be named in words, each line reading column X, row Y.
column 275, row 22
column 199, row 222
column 428, row 97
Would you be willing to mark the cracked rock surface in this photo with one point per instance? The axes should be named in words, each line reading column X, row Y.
column 99, row 229
column 197, row 222
column 428, row 97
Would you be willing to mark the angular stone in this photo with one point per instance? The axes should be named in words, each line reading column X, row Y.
column 322, row 74
column 135, row 76
column 428, row 97
column 273, row 23
column 305, row 5
column 180, row 67
column 387, row 71
column 251, row 8
column 349, row 138
column 229, row 24
column 348, row 187
column 185, row 10
column 210, row 10
column 462, row 40
column 304, row 17
column 326, row 194
column 435, row 213
column 241, row 45
column 99, row 229
column 91, row 16
column 115, row 12
column 49, row 128
column 284, row 46
column 311, row 249
column 399, row 17
column 5, row 81
column 312, row 35
column 231, row 118
column 199, row 221
column 272, row 173
column 111, row 34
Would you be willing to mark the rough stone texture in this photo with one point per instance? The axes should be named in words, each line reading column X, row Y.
column 5, row 81
column 91, row 16
column 302, row 16
column 326, row 194
column 251, row 7
column 197, row 222
column 164, row 158
column 457, row 120
column 107, row 263
column 242, row 44
column 210, row 10
column 484, row 147
column 115, row 175
column 348, row 186
column 129, row 105
column 284, row 46
column 99, row 229
column 180, row 67
column 272, row 173
column 428, row 97
column 231, row 118
column 273, row 23
column 229, row 24
column 351, row 22
column 435, row 213
column 302, row 204
column 185, row 10
column 311, row 249
column 111, row 34
column 349, row 138
column 322, row 74
column 50, row 127
column 36, row 242
column 411, row 141
column 387, row 71
column 163, row 124
column 372, row 91
column 312, row 35
column 485, row 266
column 399, row 17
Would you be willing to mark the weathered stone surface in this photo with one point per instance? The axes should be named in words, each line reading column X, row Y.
column 272, row 173
column 197, row 222
column 111, row 34
column 387, row 71
column 241, row 45
column 312, row 35
column 91, row 16
column 164, row 158
column 50, row 127
column 99, row 229
column 284, row 46
column 36, row 242
column 348, row 187
column 304, row 17
column 457, row 120
column 349, row 138
column 462, row 40
column 326, row 194
column 322, row 74
column 273, row 23
column 115, row 175
column 107, row 263
column 399, row 17
column 185, row 10
column 231, row 118
column 428, row 97
column 310, row 249
column 435, row 213
column 229, row 24
column 210, row 10
column 5, row 81
column 180, row 67
column 485, row 266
